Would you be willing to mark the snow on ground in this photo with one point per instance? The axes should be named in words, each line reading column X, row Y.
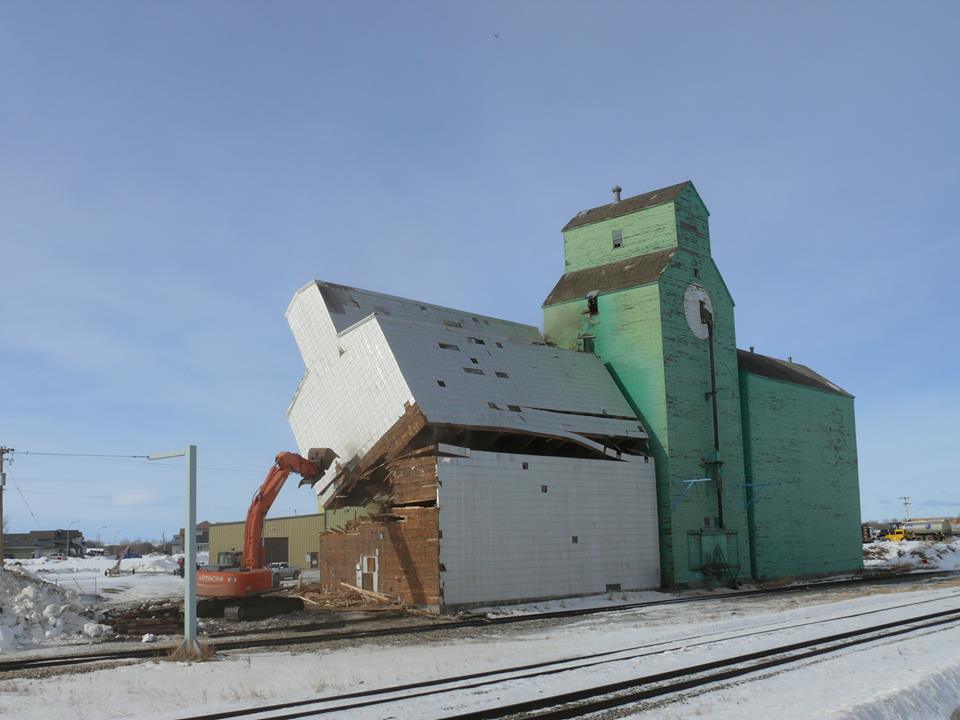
column 576, row 603
column 34, row 613
column 913, row 555
column 148, row 578
column 915, row 677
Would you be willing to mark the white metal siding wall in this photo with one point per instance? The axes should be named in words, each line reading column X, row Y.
column 504, row 538
column 351, row 403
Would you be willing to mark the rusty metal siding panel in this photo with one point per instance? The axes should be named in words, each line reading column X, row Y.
column 804, row 492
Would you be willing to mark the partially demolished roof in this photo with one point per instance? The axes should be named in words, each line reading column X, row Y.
column 786, row 371
column 465, row 374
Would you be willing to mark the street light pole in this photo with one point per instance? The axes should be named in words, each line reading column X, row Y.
column 190, row 644
column 3, row 481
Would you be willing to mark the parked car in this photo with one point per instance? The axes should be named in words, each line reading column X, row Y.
column 284, row 571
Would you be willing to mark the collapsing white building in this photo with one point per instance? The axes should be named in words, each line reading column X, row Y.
column 493, row 466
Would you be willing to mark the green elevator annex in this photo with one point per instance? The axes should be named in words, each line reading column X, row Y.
column 756, row 459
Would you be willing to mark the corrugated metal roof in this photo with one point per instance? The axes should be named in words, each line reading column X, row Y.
column 493, row 375
column 625, row 207
column 612, row 276
column 786, row 371
column 348, row 306
column 552, row 390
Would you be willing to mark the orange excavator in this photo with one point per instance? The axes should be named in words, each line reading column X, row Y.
column 239, row 583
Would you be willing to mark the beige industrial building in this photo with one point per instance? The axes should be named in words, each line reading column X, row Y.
column 293, row 539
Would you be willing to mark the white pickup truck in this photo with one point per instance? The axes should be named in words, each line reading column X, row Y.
column 284, row 571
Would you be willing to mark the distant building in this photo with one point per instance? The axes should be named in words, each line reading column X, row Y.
column 38, row 543
column 203, row 539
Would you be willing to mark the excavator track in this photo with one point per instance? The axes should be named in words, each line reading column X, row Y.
column 258, row 607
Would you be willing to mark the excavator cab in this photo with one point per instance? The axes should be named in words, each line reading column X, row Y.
column 229, row 559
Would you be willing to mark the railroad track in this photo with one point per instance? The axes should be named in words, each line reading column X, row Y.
column 611, row 695
column 246, row 640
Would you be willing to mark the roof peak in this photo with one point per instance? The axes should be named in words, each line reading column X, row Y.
column 785, row 370
column 627, row 205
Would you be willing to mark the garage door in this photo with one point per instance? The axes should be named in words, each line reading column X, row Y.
column 277, row 549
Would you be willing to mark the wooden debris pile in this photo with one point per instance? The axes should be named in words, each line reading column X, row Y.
column 349, row 597
column 157, row 618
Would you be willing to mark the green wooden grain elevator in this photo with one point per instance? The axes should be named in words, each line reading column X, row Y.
column 755, row 457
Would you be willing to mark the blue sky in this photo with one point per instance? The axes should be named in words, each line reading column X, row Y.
column 170, row 173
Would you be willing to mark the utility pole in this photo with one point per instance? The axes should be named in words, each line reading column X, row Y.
column 190, row 645
column 4, row 451
column 906, row 506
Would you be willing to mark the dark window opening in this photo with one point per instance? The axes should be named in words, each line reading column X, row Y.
column 448, row 346
column 500, row 345
column 502, row 374
column 696, row 272
column 617, row 238
column 613, row 586
column 543, row 488
column 474, row 361
column 473, row 371
column 441, row 383
column 493, row 406
column 476, row 341
column 575, row 539
column 514, row 408
column 525, row 466
column 593, row 307
column 453, row 323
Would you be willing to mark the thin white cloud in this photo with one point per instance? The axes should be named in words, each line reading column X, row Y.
column 134, row 498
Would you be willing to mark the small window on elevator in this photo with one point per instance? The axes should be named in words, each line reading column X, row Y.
column 617, row 239
column 593, row 304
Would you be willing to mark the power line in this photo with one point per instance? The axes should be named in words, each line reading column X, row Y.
column 29, row 509
column 124, row 457
column 63, row 454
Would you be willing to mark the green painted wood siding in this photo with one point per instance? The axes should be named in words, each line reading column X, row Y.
column 692, row 221
column 688, row 433
column 766, row 432
column 681, row 223
column 801, row 441
column 643, row 232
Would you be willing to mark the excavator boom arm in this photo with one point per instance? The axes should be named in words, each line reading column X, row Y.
column 285, row 463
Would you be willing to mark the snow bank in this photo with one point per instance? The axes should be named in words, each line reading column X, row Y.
column 147, row 564
column 33, row 612
column 936, row 696
column 913, row 555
